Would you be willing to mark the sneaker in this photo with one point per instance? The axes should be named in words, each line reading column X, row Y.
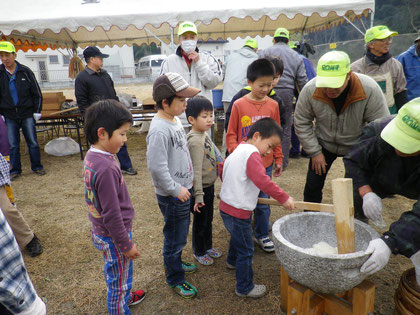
column 34, row 247
column 214, row 253
column 129, row 171
column 189, row 267
column 258, row 291
column 185, row 290
column 14, row 175
column 229, row 266
column 136, row 297
column 40, row 172
column 266, row 244
column 205, row 260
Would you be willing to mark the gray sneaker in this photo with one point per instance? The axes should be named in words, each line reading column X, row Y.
column 258, row 291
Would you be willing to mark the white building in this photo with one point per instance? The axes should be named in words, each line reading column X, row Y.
column 51, row 66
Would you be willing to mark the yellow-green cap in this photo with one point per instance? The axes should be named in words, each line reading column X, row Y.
column 281, row 32
column 403, row 132
column 251, row 43
column 187, row 26
column 7, row 47
column 332, row 69
column 292, row 44
column 378, row 32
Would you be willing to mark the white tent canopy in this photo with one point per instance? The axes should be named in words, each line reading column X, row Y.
column 71, row 23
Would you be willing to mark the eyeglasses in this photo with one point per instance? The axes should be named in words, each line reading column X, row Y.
column 385, row 40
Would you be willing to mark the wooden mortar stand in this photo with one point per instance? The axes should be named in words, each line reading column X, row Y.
column 297, row 298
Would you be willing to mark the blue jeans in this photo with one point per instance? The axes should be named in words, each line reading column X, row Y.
column 124, row 158
column 13, row 134
column 241, row 251
column 262, row 213
column 176, row 215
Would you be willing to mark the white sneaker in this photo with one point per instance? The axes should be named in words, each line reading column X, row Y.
column 266, row 244
column 258, row 291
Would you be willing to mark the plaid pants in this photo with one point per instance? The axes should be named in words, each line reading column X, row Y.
column 118, row 272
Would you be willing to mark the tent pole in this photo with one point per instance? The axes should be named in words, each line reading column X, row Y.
column 372, row 16
column 151, row 33
column 353, row 25
column 172, row 39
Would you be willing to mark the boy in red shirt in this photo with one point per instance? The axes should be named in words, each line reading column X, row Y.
column 245, row 112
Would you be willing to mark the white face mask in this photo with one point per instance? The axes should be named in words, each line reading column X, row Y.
column 188, row 45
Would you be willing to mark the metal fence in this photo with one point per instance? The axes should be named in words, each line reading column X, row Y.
column 53, row 79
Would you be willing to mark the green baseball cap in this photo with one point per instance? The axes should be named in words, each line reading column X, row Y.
column 187, row 26
column 403, row 132
column 378, row 32
column 251, row 43
column 281, row 32
column 292, row 44
column 7, row 47
column 332, row 69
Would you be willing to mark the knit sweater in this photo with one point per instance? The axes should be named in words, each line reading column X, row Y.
column 205, row 157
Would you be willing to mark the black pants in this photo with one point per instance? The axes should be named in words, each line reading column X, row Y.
column 315, row 184
column 202, row 225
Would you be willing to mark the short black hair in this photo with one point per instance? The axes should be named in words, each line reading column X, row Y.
column 196, row 105
column 169, row 100
column 281, row 39
column 267, row 127
column 260, row 68
column 109, row 114
column 278, row 64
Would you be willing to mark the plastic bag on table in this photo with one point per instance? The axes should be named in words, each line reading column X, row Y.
column 62, row 146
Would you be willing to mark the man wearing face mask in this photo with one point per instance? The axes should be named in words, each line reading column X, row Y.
column 200, row 69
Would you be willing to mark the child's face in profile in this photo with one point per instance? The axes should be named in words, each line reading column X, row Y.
column 276, row 79
column 177, row 106
column 261, row 87
column 265, row 146
column 203, row 122
column 114, row 143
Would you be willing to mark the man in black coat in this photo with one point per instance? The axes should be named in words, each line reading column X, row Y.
column 20, row 104
column 94, row 84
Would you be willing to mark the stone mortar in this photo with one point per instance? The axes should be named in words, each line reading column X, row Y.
column 294, row 234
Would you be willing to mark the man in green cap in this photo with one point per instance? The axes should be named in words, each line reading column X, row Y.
column 383, row 162
column 340, row 102
column 199, row 68
column 382, row 67
column 21, row 105
column 294, row 75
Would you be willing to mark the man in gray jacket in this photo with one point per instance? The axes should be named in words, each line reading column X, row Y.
column 235, row 67
column 340, row 102
column 294, row 75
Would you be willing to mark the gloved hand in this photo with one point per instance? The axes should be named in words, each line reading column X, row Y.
column 416, row 262
column 37, row 116
column 379, row 257
column 372, row 206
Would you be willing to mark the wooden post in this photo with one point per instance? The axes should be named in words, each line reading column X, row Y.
column 342, row 189
column 284, row 281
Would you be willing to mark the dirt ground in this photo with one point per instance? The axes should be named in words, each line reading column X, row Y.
column 69, row 274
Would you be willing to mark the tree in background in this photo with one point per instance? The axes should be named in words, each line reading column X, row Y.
column 145, row 50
